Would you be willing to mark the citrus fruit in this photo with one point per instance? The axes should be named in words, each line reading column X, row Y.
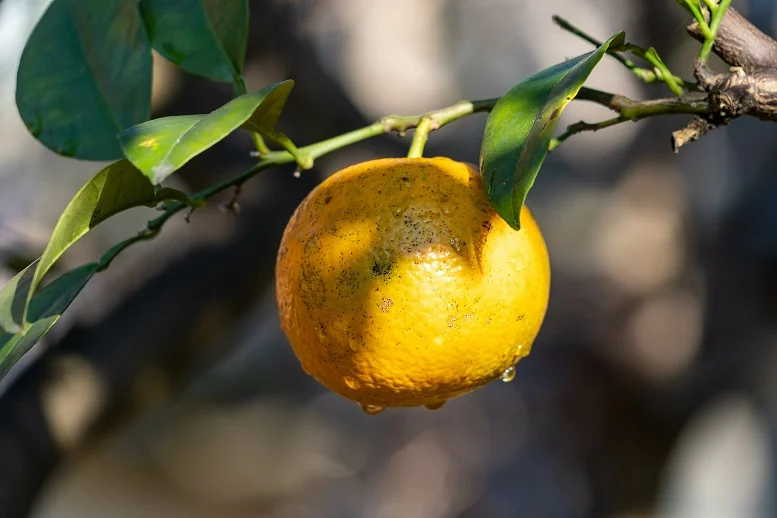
column 398, row 284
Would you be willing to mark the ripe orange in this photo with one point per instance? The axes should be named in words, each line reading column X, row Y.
column 398, row 284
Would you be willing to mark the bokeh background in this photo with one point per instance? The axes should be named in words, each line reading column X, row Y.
column 169, row 391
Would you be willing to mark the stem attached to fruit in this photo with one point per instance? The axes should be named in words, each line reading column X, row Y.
column 273, row 158
column 627, row 109
column 420, row 137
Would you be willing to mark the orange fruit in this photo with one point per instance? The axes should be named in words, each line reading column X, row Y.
column 398, row 284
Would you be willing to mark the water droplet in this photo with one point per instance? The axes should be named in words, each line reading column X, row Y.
column 353, row 343
column 372, row 409
column 435, row 406
column 508, row 375
column 522, row 351
column 446, row 211
column 351, row 382
column 439, row 340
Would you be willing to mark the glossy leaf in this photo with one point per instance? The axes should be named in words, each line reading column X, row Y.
column 118, row 187
column 85, row 75
column 45, row 309
column 521, row 125
column 203, row 37
column 162, row 146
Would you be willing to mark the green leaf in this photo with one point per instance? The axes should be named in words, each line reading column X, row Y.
column 203, row 37
column 520, row 127
column 162, row 146
column 118, row 187
column 85, row 75
column 13, row 298
column 45, row 309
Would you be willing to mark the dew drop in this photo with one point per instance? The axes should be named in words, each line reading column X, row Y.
column 508, row 375
column 372, row 409
column 435, row 406
column 351, row 382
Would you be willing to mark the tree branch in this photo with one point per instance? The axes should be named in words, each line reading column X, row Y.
column 697, row 103
column 400, row 124
column 629, row 109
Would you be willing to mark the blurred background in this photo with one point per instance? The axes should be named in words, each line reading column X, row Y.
column 169, row 391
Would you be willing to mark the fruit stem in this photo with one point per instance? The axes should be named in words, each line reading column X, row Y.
column 420, row 136
column 628, row 110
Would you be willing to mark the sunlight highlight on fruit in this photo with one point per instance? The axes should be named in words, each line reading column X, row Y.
column 398, row 284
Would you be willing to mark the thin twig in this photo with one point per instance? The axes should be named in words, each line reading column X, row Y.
column 579, row 127
column 644, row 74
column 630, row 110
column 274, row 158
column 716, row 18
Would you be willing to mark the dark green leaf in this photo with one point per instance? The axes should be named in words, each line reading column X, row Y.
column 521, row 125
column 118, row 187
column 45, row 309
column 204, row 37
column 161, row 146
column 85, row 75
column 13, row 298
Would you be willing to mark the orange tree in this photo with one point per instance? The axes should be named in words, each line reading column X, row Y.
column 84, row 91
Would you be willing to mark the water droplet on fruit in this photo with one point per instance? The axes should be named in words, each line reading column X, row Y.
column 435, row 406
column 351, row 382
column 353, row 343
column 508, row 375
column 372, row 409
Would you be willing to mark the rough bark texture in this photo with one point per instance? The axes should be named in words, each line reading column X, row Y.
column 748, row 88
